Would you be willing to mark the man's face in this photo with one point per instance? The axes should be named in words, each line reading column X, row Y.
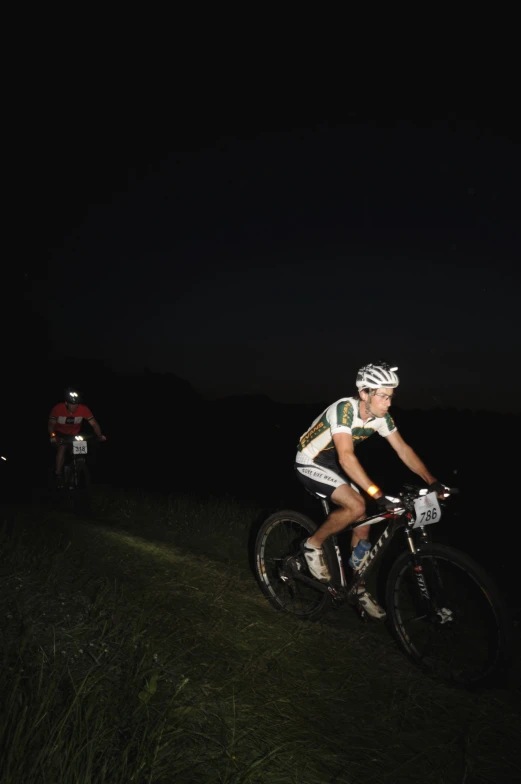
column 73, row 407
column 380, row 402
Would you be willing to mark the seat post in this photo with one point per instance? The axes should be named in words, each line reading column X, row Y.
column 325, row 506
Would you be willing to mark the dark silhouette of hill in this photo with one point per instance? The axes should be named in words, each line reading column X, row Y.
column 163, row 434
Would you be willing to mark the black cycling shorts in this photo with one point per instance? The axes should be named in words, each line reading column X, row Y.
column 322, row 481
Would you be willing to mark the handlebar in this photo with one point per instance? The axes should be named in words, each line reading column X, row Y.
column 69, row 439
column 411, row 492
column 415, row 489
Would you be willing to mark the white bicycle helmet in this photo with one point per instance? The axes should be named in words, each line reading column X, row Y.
column 379, row 374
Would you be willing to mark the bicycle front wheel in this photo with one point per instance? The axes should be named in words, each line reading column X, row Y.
column 278, row 558
column 82, row 497
column 461, row 632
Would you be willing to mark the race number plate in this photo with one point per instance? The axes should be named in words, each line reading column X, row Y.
column 79, row 447
column 427, row 510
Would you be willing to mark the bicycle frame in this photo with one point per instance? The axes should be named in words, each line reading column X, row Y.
column 73, row 463
column 72, row 460
column 396, row 522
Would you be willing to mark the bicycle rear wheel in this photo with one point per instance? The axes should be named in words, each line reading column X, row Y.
column 462, row 633
column 278, row 558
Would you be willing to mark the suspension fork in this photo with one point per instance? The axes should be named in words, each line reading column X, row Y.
column 75, row 470
column 72, row 471
column 417, row 565
column 425, row 539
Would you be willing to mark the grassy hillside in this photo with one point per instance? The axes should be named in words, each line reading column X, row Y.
column 137, row 648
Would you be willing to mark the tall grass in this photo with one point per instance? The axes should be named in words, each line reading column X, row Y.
column 132, row 654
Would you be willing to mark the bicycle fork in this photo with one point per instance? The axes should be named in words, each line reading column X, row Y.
column 439, row 614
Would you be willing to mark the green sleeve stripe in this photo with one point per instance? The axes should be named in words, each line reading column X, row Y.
column 344, row 413
column 389, row 421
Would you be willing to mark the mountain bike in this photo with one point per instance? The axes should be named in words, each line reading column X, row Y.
column 443, row 609
column 76, row 475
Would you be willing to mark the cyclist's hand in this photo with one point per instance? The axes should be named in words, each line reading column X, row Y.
column 440, row 490
column 102, row 438
column 54, row 440
column 388, row 503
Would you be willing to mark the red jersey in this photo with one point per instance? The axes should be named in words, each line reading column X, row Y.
column 67, row 423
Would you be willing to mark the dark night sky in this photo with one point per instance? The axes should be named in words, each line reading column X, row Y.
column 276, row 254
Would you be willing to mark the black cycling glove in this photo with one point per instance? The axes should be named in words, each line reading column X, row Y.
column 387, row 503
column 438, row 488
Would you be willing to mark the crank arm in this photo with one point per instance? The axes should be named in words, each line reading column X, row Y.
column 322, row 587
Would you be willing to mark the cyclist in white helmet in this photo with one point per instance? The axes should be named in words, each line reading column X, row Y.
column 326, row 464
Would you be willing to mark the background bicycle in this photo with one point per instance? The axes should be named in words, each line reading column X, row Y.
column 76, row 481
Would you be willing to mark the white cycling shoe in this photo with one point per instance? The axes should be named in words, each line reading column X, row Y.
column 370, row 605
column 316, row 562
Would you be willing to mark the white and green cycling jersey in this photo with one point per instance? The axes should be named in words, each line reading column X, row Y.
column 316, row 446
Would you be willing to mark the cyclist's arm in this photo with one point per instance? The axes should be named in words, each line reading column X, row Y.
column 51, row 424
column 97, row 429
column 349, row 462
column 408, row 456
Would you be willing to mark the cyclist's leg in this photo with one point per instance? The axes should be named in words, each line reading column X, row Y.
column 360, row 532
column 351, row 507
column 60, row 457
column 334, row 485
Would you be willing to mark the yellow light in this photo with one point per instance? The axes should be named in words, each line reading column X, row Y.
column 373, row 490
